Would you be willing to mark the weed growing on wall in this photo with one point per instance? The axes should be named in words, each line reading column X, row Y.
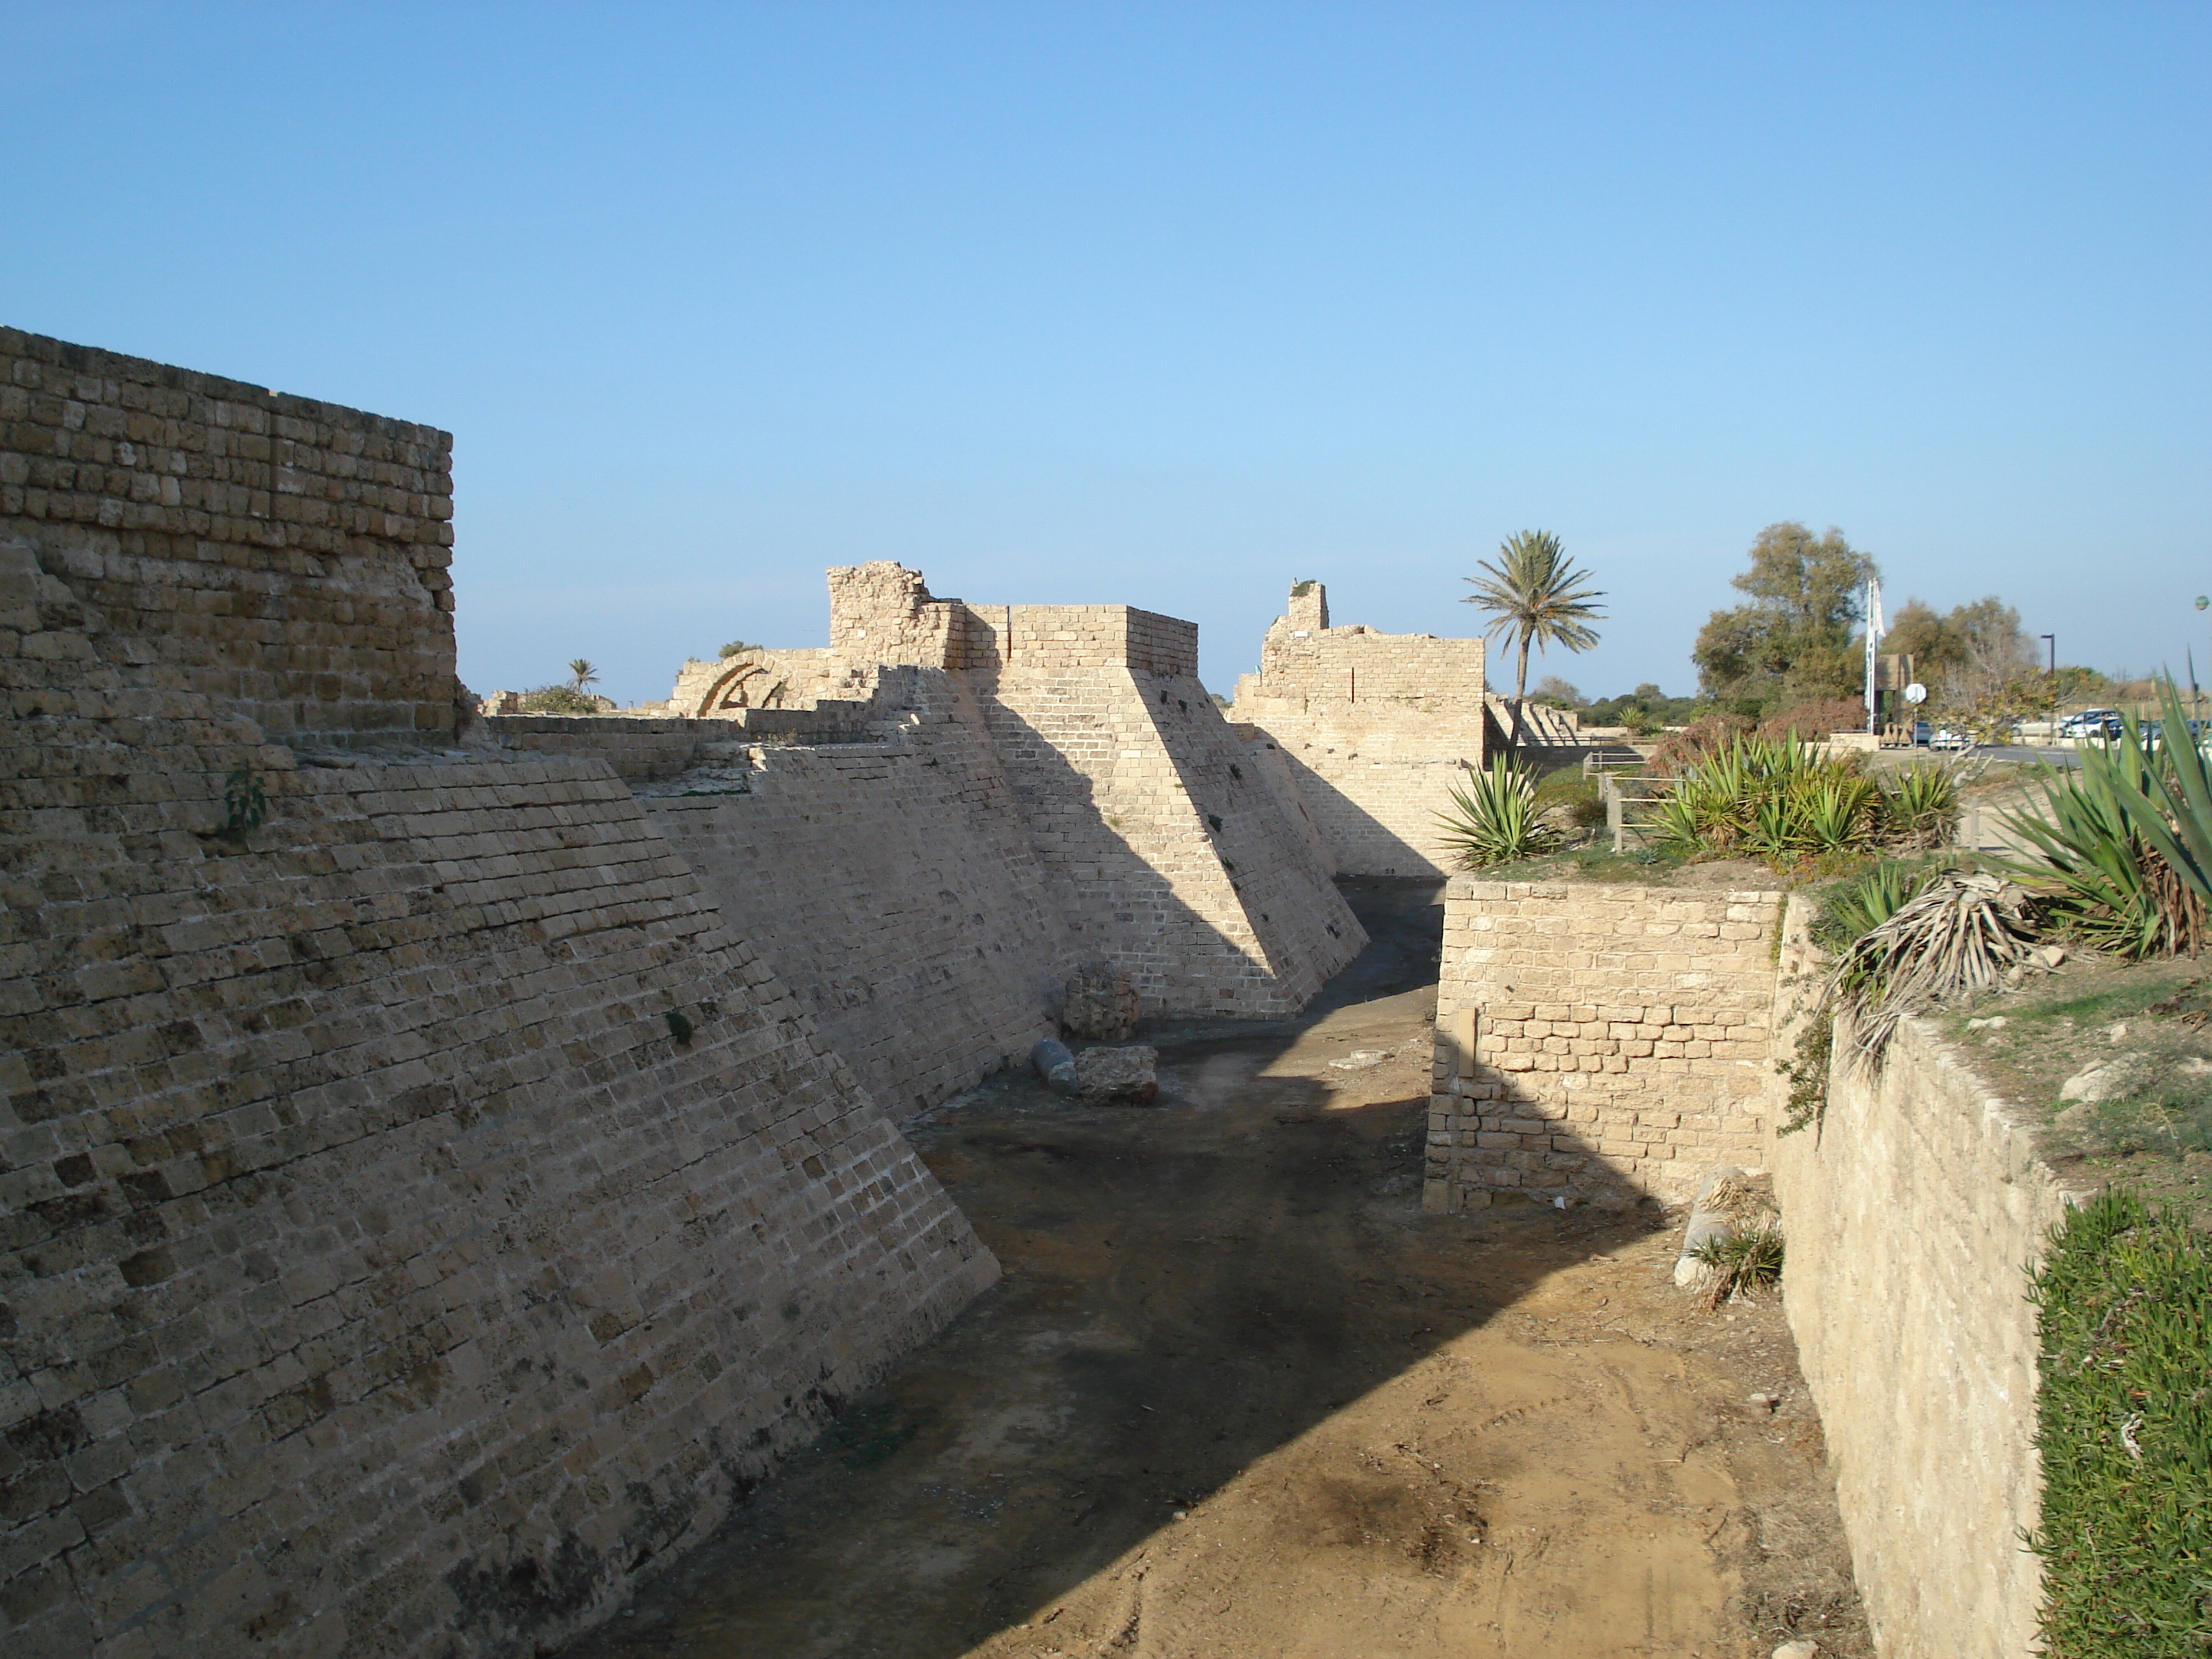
column 2124, row 1429
column 1848, row 912
column 245, row 804
column 564, row 700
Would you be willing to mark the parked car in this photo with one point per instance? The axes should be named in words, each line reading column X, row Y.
column 1945, row 737
column 1921, row 732
column 2093, row 723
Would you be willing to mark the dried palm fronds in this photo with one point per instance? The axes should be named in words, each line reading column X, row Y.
column 1963, row 934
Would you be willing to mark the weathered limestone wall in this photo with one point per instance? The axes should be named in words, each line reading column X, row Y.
column 1622, row 1040
column 383, row 1272
column 285, row 556
column 631, row 747
column 1162, row 847
column 764, row 679
column 1162, row 843
column 1375, row 727
column 1914, row 1215
column 894, row 888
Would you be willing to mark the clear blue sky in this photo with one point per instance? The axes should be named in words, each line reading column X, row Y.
column 1168, row 304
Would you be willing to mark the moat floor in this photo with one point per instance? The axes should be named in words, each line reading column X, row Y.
column 1238, row 1396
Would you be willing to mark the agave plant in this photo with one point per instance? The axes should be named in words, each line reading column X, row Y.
column 2126, row 841
column 1922, row 807
column 1495, row 819
column 1778, row 799
column 1853, row 908
column 1837, row 811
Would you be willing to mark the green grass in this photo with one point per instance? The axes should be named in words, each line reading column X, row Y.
column 2157, row 1138
column 2124, row 1429
column 1568, row 788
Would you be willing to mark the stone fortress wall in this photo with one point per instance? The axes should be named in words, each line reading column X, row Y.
column 1158, row 843
column 1914, row 1213
column 1375, row 729
column 1597, row 1043
column 283, row 557
column 893, row 882
column 420, row 1210
column 426, row 1203
column 1611, row 1044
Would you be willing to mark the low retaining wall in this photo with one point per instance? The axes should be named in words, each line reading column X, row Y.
column 1605, row 1043
column 1915, row 1213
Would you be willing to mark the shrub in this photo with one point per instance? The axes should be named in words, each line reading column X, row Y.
column 1777, row 799
column 1784, row 800
column 1695, row 742
column 1959, row 934
column 1741, row 1263
column 1851, row 909
column 1815, row 722
column 564, row 700
column 2123, row 1306
column 1579, row 795
column 1923, row 806
column 1495, row 819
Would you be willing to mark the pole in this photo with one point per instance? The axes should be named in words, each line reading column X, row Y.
column 1875, row 630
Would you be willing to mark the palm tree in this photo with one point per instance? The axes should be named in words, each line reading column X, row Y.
column 581, row 673
column 1539, row 596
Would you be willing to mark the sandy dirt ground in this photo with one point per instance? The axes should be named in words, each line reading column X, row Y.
column 1236, row 1396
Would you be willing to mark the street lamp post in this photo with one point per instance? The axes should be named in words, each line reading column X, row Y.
column 2050, row 683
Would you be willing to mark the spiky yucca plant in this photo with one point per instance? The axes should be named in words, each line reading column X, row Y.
column 2126, row 839
column 1495, row 819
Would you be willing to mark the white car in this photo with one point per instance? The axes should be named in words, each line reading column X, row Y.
column 1946, row 737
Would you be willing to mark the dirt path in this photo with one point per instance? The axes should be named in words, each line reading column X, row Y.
column 1238, row 1396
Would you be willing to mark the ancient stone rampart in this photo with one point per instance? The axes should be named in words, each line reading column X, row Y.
column 284, row 556
column 1162, row 843
column 1914, row 1212
column 1159, row 842
column 1599, row 1043
column 1375, row 729
column 420, row 1212
column 894, row 886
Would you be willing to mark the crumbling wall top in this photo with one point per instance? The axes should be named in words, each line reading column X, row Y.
column 1306, row 658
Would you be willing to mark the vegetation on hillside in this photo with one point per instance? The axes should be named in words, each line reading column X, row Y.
column 2124, row 1306
column 1785, row 801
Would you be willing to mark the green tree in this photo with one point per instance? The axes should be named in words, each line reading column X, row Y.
column 1962, row 656
column 1539, row 599
column 1795, row 641
column 582, row 673
column 737, row 647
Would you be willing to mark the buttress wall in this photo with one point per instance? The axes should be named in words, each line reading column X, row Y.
column 1160, row 841
column 893, row 885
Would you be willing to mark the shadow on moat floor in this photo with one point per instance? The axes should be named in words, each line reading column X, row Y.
column 1188, row 1288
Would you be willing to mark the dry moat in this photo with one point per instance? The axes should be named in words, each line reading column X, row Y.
column 1236, row 1394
